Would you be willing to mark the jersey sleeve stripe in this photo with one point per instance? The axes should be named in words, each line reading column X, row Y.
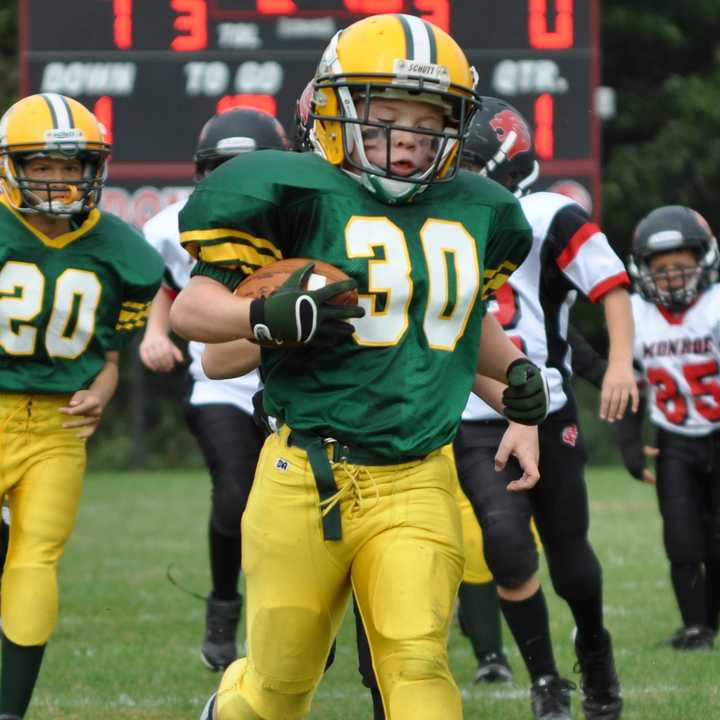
column 495, row 278
column 604, row 287
column 581, row 236
column 129, row 320
column 202, row 236
column 234, row 254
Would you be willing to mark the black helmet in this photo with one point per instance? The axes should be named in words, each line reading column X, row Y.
column 236, row 131
column 665, row 229
column 499, row 142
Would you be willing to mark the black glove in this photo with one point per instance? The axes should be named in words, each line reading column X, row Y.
column 526, row 398
column 292, row 314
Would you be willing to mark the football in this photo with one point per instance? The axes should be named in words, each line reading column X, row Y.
column 268, row 279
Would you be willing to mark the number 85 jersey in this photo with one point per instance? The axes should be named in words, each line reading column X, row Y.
column 66, row 301
column 680, row 358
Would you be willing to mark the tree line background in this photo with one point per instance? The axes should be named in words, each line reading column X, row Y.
column 662, row 147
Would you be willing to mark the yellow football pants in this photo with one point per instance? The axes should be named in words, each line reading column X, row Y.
column 41, row 472
column 401, row 549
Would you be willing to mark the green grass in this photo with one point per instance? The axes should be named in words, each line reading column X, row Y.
column 126, row 647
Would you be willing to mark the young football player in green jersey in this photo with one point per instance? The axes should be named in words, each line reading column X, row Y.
column 75, row 284
column 354, row 488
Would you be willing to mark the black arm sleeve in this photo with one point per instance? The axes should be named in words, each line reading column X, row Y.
column 629, row 438
column 587, row 363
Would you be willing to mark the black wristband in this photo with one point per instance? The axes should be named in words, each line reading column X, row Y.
column 257, row 313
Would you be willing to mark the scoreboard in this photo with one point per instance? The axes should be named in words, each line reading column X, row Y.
column 154, row 71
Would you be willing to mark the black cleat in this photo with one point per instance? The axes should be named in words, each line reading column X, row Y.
column 600, row 684
column 493, row 667
column 222, row 617
column 693, row 637
column 550, row 698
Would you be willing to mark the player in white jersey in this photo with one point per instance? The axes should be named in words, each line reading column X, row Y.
column 674, row 265
column 218, row 413
column 570, row 254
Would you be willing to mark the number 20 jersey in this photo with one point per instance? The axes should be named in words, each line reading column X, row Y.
column 66, row 301
column 680, row 358
column 399, row 386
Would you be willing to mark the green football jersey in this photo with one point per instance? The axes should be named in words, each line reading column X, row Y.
column 66, row 301
column 423, row 271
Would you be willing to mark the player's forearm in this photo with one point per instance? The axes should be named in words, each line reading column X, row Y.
column 158, row 321
column 496, row 350
column 106, row 381
column 232, row 359
column 490, row 391
column 620, row 326
column 207, row 311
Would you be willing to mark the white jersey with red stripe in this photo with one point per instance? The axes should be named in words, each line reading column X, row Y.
column 570, row 254
column 680, row 359
column 161, row 231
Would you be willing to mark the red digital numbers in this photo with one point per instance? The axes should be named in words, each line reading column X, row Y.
column 103, row 111
column 259, row 102
column 122, row 24
column 372, row 7
column 544, row 111
column 436, row 11
column 276, row 7
column 702, row 379
column 539, row 34
column 191, row 22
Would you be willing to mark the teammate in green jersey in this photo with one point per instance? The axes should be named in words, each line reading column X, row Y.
column 75, row 284
column 354, row 488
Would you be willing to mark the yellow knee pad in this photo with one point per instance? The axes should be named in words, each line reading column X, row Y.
column 29, row 604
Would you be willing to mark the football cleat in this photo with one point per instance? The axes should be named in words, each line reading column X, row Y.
column 692, row 637
column 493, row 667
column 550, row 698
column 208, row 710
column 219, row 648
column 600, row 685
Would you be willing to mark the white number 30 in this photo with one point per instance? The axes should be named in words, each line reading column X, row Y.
column 453, row 276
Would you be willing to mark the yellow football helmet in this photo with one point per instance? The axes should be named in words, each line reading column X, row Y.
column 54, row 126
column 398, row 57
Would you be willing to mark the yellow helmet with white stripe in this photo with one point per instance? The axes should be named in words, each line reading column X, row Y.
column 54, row 126
column 398, row 57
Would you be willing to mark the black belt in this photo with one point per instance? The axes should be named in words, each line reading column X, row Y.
column 317, row 451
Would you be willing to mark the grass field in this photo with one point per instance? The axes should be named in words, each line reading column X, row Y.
column 127, row 643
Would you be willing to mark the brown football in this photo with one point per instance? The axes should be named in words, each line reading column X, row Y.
column 268, row 279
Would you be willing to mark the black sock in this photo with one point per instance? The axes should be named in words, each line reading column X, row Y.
column 20, row 668
column 479, row 616
column 528, row 621
column 588, row 614
column 225, row 552
column 689, row 584
column 712, row 593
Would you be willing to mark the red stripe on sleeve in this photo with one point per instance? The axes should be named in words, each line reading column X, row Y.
column 583, row 234
column 604, row 287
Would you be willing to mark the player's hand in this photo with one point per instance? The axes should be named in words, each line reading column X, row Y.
column 648, row 476
column 304, row 316
column 526, row 397
column 520, row 441
column 86, row 409
column 159, row 353
column 618, row 388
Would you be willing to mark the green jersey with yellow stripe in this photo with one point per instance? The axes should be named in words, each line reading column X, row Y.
column 66, row 301
column 423, row 271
